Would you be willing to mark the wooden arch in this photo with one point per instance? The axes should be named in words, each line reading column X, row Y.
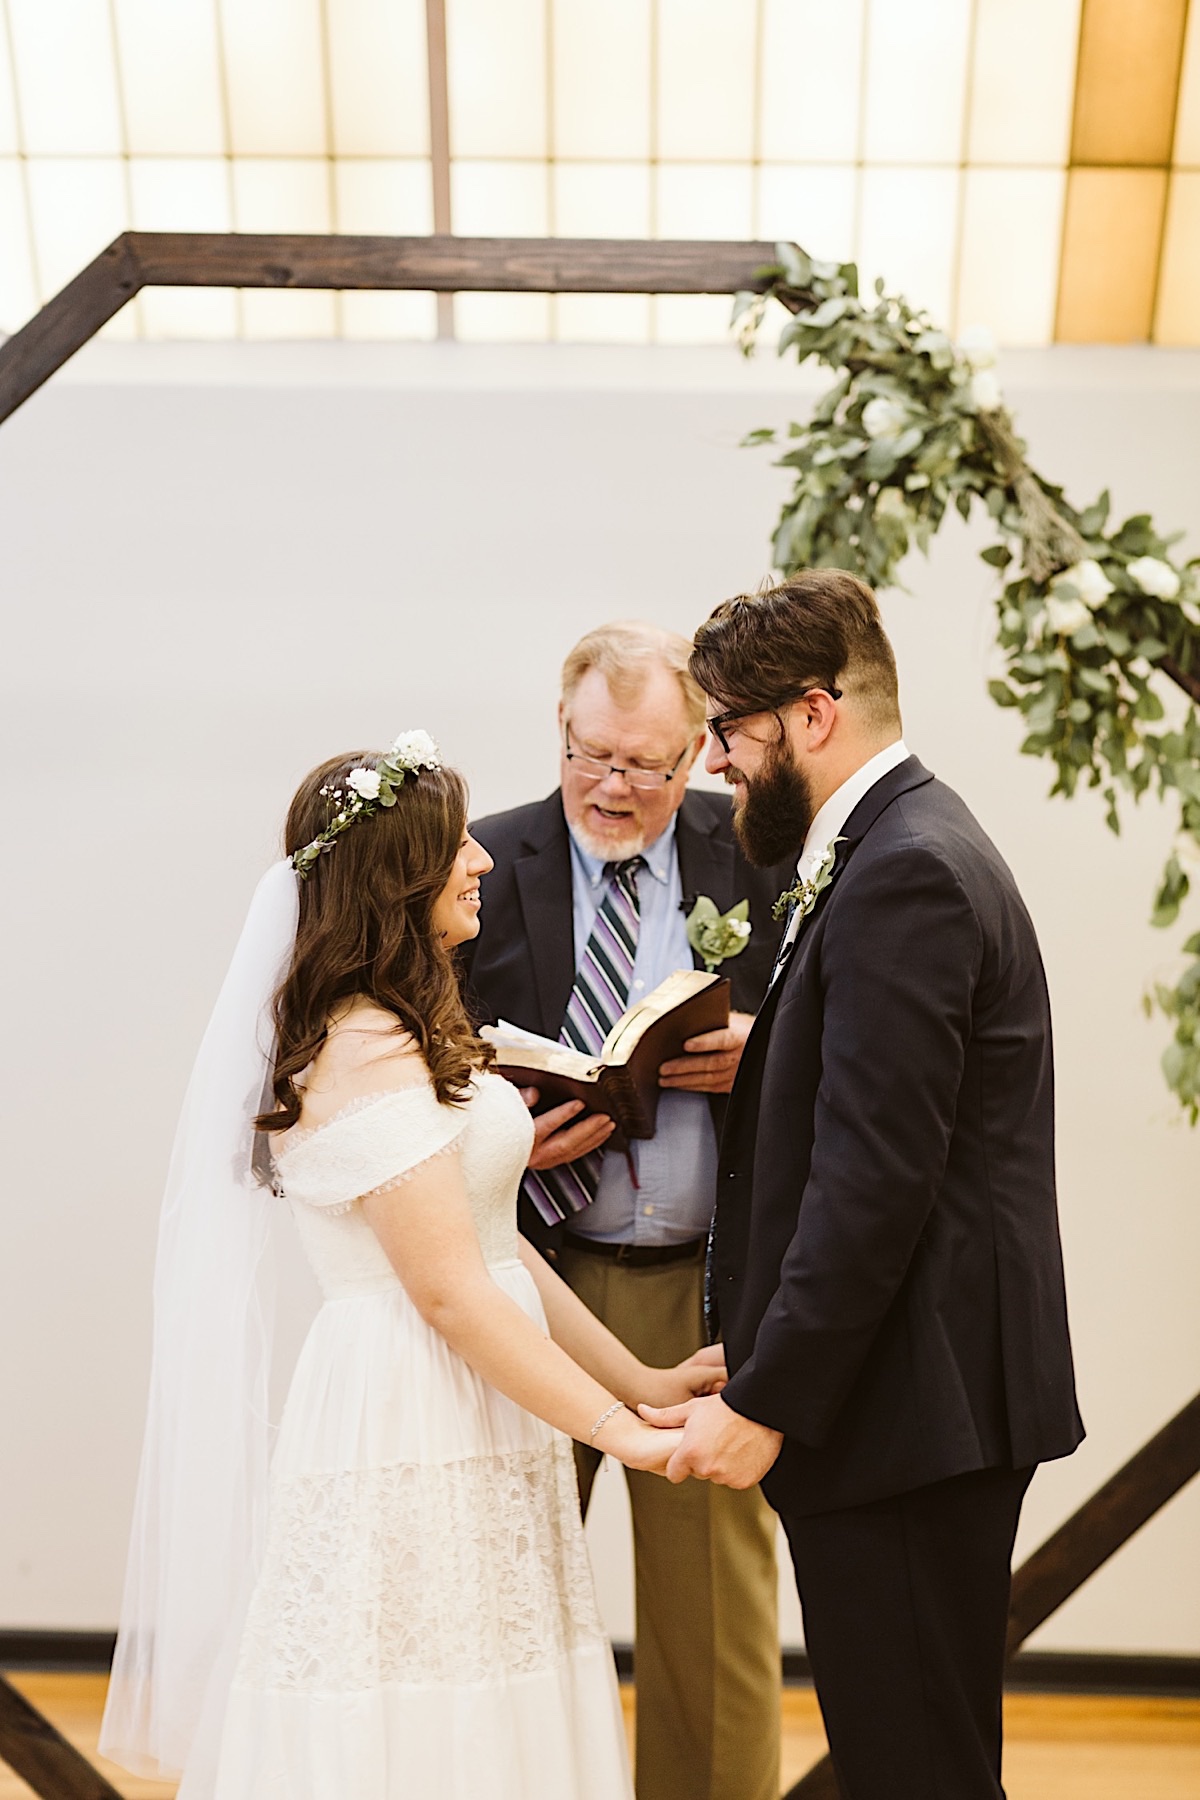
column 446, row 265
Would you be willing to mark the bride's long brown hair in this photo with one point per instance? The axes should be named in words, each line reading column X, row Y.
column 366, row 929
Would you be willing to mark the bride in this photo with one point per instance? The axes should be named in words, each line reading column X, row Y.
column 412, row 1612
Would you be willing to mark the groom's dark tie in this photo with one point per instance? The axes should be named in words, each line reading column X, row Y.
column 599, row 997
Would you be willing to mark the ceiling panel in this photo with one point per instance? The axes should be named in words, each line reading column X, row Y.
column 1020, row 103
column 1187, row 122
column 707, row 61
column 497, row 75
column 385, row 196
column 602, row 318
column 608, row 200
column 601, row 66
column 914, row 95
column 1176, row 319
column 18, row 288
column 79, row 205
column 66, row 70
column 500, row 199
column 282, row 194
column 275, row 77
column 169, row 71
column 503, row 318
column 1112, row 232
column 10, row 137
column 908, row 235
column 184, row 194
column 704, row 200
column 1008, row 276
column 378, row 77
column 811, row 80
column 1127, row 84
column 813, row 204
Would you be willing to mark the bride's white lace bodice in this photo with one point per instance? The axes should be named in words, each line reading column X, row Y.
column 378, row 1142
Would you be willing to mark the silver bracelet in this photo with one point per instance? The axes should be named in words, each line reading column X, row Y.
column 616, row 1407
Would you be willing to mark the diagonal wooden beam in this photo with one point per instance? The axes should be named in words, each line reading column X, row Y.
column 1073, row 1553
column 65, row 323
column 41, row 1756
column 442, row 264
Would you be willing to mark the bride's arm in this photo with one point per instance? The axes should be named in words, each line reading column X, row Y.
column 594, row 1347
column 426, row 1229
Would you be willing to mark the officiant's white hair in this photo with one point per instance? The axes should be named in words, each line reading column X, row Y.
column 624, row 651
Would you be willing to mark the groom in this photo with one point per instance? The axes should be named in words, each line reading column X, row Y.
column 886, row 1261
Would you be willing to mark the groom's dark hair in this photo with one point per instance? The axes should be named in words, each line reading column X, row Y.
column 820, row 628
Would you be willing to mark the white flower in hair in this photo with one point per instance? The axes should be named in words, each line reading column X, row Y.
column 365, row 783
column 415, row 750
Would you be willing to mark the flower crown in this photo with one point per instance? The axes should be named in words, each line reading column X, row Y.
column 366, row 789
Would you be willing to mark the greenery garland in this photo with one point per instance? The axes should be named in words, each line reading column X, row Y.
column 1089, row 614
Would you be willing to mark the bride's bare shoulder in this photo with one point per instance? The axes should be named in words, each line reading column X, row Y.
column 366, row 1051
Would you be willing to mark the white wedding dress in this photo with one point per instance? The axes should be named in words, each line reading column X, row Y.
column 424, row 1625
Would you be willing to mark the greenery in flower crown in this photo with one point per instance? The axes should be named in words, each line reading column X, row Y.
column 1091, row 614
column 366, row 790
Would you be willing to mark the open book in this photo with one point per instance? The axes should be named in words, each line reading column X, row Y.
column 623, row 1080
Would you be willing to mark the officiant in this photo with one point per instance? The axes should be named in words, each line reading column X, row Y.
column 585, row 913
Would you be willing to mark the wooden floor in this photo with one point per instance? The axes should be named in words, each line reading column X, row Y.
column 1059, row 1747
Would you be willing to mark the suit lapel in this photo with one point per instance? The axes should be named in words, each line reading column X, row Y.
column 705, row 861
column 543, row 878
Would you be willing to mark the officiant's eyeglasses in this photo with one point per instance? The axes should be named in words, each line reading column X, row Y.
column 593, row 770
column 720, row 725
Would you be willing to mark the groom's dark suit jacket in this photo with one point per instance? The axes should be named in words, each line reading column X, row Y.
column 521, row 967
column 887, row 1260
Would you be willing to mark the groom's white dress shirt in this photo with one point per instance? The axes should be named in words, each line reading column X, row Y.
column 828, row 823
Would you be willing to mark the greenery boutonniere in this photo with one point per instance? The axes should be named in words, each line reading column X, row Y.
column 805, row 893
column 715, row 935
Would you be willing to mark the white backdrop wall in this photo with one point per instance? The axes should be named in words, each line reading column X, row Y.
column 219, row 565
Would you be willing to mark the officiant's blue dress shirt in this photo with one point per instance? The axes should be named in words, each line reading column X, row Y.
column 677, row 1167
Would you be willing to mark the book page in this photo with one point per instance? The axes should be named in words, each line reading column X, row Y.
column 632, row 1026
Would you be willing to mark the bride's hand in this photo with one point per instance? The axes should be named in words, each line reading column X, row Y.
column 703, row 1373
column 637, row 1445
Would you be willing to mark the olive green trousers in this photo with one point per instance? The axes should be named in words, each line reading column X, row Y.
column 707, row 1651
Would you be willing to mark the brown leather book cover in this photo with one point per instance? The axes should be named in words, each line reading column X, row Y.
column 623, row 1080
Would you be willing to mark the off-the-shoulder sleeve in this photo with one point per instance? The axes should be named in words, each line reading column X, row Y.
column 384, row 1138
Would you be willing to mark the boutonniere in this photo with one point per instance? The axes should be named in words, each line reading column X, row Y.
column 805, row 893
column 716, row 935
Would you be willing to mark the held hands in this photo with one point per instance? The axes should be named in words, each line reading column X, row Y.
column 637, row 1445
column 711, row 1060
column 718, row 1444
column 703, row 1373
column 561, row 1136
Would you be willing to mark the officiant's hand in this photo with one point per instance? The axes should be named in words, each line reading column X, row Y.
column 710, row 1061
column 718, row 1444
column 703, row 1373
column 560, row 1135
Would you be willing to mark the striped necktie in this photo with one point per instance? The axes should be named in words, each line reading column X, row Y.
column 599, row 997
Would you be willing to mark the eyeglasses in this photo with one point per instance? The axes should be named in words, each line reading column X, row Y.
column 591, row 769
column 719, row 725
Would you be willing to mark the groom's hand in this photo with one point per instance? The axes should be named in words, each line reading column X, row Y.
column 710, row 1061
column 718, row 1444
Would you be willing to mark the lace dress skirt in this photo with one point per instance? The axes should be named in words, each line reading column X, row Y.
column 424, row 1625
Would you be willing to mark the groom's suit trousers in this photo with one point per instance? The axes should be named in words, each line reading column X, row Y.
column 905, row 1604
column 706, row 1574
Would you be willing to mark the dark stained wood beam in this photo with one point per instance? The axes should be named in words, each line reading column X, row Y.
column 64, row 325
column 41, row 1756
column 441, row 264
column 449, row 264
column 1080, row 1546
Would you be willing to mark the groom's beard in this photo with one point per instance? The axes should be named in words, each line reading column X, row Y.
column 772, row 822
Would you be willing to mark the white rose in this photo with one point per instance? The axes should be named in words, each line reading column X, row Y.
column 1155, row 577
column 985, row 391
column 1065, row 616
column 1089, row 581
column 882, row 417
column 977, row 346
column 365, row 783
column 1187, row 853
column 415, row 750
